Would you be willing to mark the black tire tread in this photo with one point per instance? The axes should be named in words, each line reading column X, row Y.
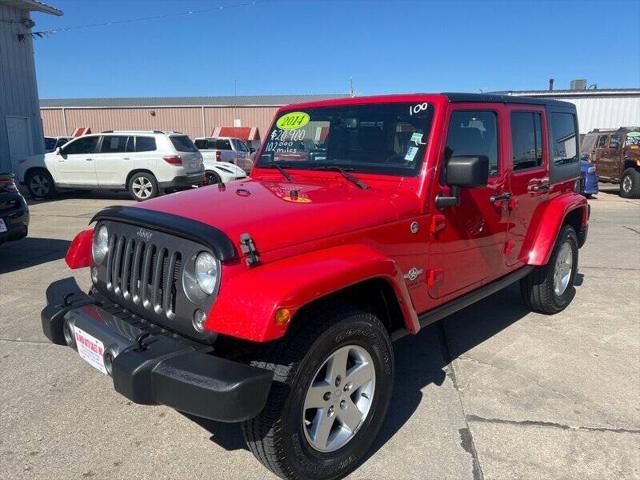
column 537, row 287
column 282, row 357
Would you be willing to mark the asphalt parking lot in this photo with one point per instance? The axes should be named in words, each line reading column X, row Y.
column 493, row 392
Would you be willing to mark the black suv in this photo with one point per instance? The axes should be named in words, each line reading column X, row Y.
column 14, row 213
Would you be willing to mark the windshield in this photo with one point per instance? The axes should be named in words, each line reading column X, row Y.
column 387, row 138
column 240, row 145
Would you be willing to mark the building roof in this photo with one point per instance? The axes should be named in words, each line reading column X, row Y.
column 32, row 6
column 147, row 102
column 593, row 92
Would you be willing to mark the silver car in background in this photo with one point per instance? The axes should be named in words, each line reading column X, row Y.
column 225, row 149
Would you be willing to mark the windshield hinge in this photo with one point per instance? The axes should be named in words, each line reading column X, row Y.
column 248, row 247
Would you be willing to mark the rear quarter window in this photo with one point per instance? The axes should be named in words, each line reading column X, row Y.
column 145, row 144
column 565, row 138
column 182, row 143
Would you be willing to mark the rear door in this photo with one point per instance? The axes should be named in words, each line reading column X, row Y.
column 112, row 161
column 468, row 249
column 223, row 145
column 529, row 182
column 75, row 163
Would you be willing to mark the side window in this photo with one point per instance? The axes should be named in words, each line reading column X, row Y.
column 113, row 144
column 82, row 145
column 131, row 144
column 223, row 144
column 474, row 132
column 145, row 144
column 602, row 141
column 201, row 144
column 565, row 138
column 526, row 140
column 615, row 142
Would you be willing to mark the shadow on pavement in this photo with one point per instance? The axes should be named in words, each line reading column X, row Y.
column 420, row 360
column 80, row 194
column 29, row 252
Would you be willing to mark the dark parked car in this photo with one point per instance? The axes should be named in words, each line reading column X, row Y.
column 14, row 213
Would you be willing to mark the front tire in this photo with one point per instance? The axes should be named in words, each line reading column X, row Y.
column 549, row 288
column 40, row 184
column 630, row 183
column 333, row 378
column 143, row 186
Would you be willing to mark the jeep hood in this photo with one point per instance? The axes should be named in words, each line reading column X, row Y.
column 280, row 214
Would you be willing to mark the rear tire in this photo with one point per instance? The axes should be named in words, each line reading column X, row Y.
column 143, row 186
column 40, row 184
column 549, row 288
column 212, row 178
column 287, row 437
column 630, row 183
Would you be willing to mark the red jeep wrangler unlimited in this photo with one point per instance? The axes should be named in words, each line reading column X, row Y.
column 273, row 301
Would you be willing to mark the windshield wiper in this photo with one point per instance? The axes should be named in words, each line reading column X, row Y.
column 281, row 169
column 344, row 173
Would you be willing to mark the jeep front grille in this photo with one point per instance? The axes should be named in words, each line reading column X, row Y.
column 144, row 273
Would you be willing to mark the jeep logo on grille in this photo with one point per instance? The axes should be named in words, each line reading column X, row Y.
column 144, row 234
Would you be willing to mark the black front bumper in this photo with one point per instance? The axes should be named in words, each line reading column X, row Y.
column 152, row 366
column 15, row 214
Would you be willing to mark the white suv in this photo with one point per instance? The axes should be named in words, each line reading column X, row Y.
column 142, row 162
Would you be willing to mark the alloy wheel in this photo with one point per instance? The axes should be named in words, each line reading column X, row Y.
column 627, row 183
column 142, row 188
column 339, row 398
column 39, row 185
column 563, row 269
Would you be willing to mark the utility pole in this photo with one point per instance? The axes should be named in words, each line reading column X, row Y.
column 351, row 91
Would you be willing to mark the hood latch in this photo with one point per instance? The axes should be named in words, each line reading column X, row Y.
column 248, row 247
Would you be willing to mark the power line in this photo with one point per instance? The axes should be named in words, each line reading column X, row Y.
column 44, row 33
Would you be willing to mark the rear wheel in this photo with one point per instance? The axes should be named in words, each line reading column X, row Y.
column 212, row 178
column 143, row 186
column 332, row 384
column 630, row 183
column 549, row 288
column 40, row 184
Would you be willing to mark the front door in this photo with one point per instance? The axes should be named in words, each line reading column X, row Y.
column 468, row 243
column 114, row 160
column 604, row 167
column 74, row 164
column 529, row 182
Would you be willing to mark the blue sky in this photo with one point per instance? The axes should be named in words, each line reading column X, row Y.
column 304, row 46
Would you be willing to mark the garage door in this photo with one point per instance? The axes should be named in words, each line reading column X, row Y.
column 19, row 134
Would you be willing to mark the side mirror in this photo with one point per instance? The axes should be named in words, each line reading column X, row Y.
column 467, row 171
column 464, row 171
column 252, row 150
column 58, row 150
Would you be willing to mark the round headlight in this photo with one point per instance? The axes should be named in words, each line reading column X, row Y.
column 100, row 244
column 206, row 272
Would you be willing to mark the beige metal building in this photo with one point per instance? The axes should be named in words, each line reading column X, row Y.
column 195, row 116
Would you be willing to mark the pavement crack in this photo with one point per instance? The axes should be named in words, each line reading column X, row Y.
column 540, row 423
column 632, row 229
column 466, row 437
column 17, row 340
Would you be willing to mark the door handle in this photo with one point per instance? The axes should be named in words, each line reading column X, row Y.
column 89, row 159
column 500, row 198
column 126, row 158
column 540, row 188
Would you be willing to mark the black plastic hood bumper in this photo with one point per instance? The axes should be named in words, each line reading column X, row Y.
column 151, row 366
